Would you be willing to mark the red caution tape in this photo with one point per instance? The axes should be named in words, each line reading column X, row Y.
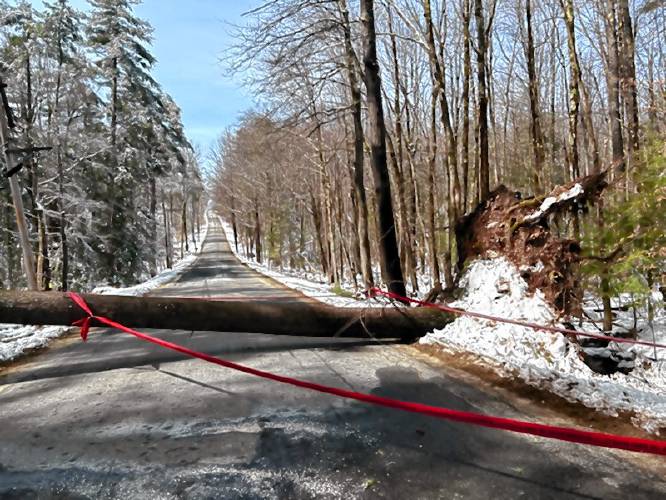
column 509, row 424
column 535, row 326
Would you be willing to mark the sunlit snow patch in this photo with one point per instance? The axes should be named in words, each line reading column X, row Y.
column 576, row 190
column 543, row 359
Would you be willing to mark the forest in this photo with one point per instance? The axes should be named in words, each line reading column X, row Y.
column 381, row 124
column 117, row 195
column 380, row 130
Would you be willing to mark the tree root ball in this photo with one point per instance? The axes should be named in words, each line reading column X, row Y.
column 518, row 229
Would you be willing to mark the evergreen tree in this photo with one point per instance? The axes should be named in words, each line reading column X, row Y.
column 118, row 147
column 631, row 249
column 120, row 40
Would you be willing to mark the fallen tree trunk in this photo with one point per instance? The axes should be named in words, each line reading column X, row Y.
column 303, row 319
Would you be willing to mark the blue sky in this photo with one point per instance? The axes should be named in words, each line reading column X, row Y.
column 189, row 38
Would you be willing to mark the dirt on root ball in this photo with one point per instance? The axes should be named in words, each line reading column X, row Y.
column 499, row 226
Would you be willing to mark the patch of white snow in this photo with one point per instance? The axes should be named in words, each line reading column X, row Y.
column 542, row 359
column 576, row 190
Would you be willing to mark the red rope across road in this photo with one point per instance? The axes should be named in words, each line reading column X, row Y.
column 527, row 324
column 562, row 433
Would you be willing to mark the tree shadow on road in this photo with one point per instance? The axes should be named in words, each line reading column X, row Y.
column 117, row 351
column 399, row 454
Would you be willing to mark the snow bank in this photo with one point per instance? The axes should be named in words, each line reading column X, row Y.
column 16, row 339
column 547, row 360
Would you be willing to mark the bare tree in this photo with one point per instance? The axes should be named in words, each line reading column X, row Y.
column 535, row 114
column 359, row 187
column 389, row 257
column 482, row 32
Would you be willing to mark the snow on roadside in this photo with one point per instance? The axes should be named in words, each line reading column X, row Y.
column 312, row 284
column 162, row 278
column 543, row 359
column 17, row 339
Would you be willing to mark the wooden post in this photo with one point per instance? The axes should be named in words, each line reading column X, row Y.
column 28, row 260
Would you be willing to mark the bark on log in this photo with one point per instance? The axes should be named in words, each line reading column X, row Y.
column 278, row 318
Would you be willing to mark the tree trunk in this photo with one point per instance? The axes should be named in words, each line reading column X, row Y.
column 111, row 176
column 152, row 264
column 343, row 252
column 617, row 141
column 430, row 200
column 64, row 245
column 197, row 216
column 628, row 77
column 481, row 39
column 43, row 274
column 410, row 180
column 167, row 233
column 183, row 227
column 355, row 243
column 453, row 188
column 257, row 232
column 316, row 219
column 652, row 94
column 408, row 262
column 9, row 244
column 44, row 262
column 359, row 187
column 281, row 316
column 535, row 118
column 329, row 235
column 234, row 226
column 590, row 133
column 467, row 71
column 574, row 94
column 613, row 81
column 407, row 233
column 301, row 238
column 114, row 107
column 194, row 204
column 388, row 246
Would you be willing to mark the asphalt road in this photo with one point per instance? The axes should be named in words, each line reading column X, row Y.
column 118, row 418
